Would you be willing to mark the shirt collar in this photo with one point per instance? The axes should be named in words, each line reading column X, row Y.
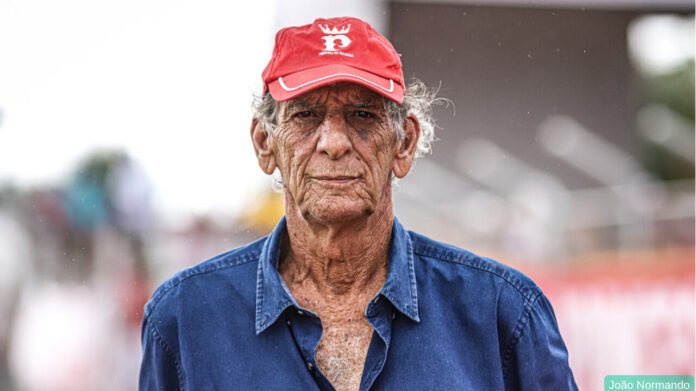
column 273, row 296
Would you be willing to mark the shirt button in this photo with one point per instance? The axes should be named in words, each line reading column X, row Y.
column 393, row 315
column 299, row 312
column 310, row 366
column 288, row 322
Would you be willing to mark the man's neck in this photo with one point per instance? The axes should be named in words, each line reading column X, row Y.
column 337, row 260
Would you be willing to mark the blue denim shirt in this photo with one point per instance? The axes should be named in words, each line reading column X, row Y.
column 445, row 319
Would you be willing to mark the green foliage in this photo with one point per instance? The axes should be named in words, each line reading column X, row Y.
column 674, row 90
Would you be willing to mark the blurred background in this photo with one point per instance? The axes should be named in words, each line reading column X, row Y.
column 567, row 151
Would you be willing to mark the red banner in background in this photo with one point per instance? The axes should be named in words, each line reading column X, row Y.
column 624, row 313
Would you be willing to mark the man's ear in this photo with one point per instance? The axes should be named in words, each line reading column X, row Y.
column 262, row 145
column 406, row 151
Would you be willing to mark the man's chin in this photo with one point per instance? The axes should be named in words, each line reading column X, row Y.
column 329, row 211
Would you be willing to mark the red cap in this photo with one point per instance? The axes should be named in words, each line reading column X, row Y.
column 329, row 51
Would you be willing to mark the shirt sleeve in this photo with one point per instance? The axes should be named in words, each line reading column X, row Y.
column 159, row 369
column 537, row 358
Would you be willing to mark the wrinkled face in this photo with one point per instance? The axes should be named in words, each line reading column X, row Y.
column 335, row 148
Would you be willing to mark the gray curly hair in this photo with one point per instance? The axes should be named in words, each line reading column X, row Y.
column 418, row 101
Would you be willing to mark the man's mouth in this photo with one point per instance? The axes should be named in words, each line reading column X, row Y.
column 335, row 179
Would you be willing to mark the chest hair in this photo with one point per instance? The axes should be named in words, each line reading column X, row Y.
column 341, row 352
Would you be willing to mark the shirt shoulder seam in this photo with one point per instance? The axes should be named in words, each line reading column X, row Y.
column 519, row 330
column 484, row 264
column 207, row 267
column 164, row 345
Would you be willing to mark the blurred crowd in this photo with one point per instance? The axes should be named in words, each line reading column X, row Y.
column 80, row 260
column 75, row 270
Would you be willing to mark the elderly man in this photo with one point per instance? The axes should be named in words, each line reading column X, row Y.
column 340, row 295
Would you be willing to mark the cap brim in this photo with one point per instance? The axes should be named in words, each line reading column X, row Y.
column 296, row 84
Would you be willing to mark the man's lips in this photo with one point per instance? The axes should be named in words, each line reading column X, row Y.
column 335, row 178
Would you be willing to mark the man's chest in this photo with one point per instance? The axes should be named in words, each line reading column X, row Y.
column 345, row 338
column 403, row 354
column 341, row 352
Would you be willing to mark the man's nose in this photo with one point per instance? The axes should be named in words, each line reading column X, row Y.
column 333, row 137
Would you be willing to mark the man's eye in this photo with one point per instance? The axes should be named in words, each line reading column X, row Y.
column 363, row 114
column 304, row 114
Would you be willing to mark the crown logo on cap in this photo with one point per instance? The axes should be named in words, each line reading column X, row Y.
column 326, row 30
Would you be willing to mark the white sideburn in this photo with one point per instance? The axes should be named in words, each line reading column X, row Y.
column 286, row 88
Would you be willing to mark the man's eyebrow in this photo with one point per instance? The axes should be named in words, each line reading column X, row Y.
column 299, row 105
column 368, row 104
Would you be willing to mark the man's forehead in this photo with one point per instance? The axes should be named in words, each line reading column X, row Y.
column 346, row 93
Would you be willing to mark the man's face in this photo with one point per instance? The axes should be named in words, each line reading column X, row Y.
column 335, row 148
